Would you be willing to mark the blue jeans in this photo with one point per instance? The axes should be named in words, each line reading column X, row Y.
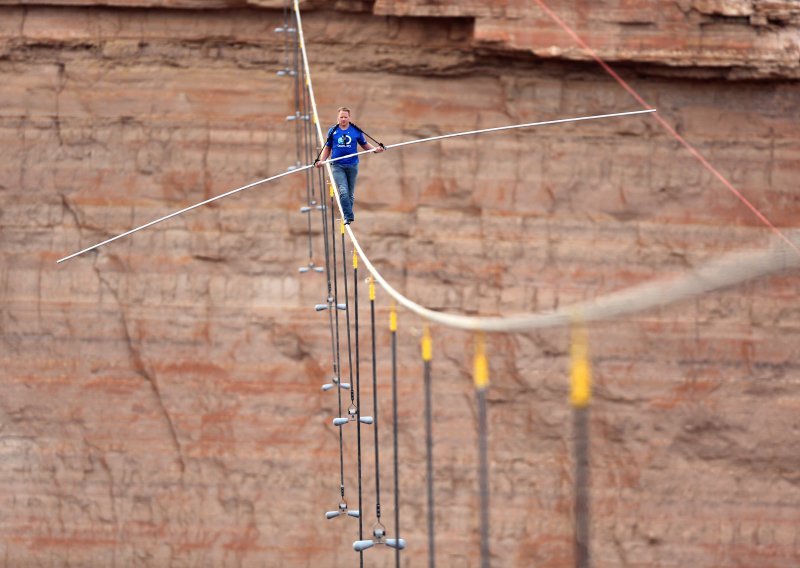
column 345, row 179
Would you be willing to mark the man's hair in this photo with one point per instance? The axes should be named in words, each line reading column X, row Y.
column 340, row 109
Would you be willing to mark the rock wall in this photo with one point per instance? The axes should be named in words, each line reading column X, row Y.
column 160, row 403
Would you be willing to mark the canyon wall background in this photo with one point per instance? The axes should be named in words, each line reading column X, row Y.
column 159, row 399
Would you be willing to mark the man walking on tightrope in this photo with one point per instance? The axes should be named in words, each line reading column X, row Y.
column 343, row 140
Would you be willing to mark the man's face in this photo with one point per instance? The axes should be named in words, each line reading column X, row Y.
column 344, row 119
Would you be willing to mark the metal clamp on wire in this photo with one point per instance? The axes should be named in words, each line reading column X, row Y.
column 379, row 534
column 342, row 511
column 329, row 305
column 352, row 416
column 335, row 383
column 314, row 205
column 311, row 266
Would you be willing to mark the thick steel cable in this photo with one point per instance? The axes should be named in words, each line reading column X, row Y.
column 332, row 306
column 358, row 409
column 726, row 271
column 429, row 466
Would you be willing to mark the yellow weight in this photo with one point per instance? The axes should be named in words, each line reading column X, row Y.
column 427, row 347
column 481, row 364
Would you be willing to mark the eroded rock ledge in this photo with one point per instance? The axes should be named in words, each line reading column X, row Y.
column 738, row 39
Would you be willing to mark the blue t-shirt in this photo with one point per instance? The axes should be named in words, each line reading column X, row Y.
column 344, row 142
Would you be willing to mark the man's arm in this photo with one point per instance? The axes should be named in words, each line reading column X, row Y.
column 326, row 153
column 368, row 146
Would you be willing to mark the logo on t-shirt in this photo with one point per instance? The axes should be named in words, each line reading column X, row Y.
column 344, row 140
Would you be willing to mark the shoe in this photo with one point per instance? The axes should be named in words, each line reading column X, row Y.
column 348, row 221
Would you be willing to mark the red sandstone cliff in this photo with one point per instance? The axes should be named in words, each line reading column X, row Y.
column 159, row 400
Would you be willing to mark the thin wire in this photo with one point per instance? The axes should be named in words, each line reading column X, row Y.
column 726, row 271
column 395, row 429
column 347, row 315
column 581, row 448
column 730, row 270
column 429, row 464
column 286, row 34
column 358, row 414
column 335, row 308
column 580, row 399
column 483, row 475
column 312, row 179
column 579, row 40
column 375, row 405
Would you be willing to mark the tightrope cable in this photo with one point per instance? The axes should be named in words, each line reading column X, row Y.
column 335, row 294
column 726, row 271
